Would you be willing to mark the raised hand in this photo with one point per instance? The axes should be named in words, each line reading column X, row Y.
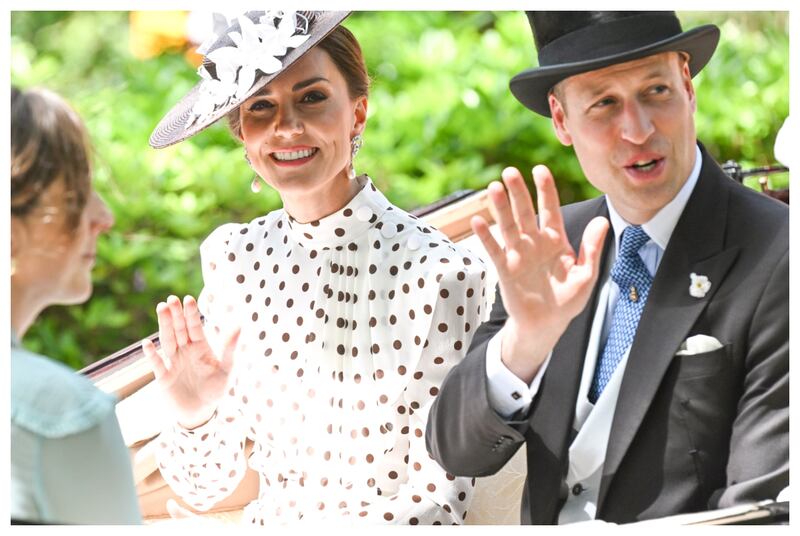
column 191, row 377
column 544, row 285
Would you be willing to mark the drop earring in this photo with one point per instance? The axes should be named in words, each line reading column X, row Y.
column 255, row 184
column 355, row 145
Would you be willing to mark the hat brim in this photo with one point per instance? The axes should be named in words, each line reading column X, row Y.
column 531, row 87
column 172, row 128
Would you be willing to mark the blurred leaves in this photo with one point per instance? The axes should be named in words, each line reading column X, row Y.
column 441, row 119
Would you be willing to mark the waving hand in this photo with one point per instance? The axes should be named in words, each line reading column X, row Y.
column 191, row 377
column 543, row 283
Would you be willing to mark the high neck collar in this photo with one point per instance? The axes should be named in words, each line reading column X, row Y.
column 342, row 226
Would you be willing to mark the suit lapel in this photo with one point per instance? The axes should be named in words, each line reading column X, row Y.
column 696, row 245
column 551, row 422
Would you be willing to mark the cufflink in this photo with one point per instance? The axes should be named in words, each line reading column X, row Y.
column 515, row 395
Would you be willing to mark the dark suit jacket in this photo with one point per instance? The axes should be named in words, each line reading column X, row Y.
column 690, row 433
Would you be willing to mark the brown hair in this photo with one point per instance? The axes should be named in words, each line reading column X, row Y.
column 343, row 48
column 48, row 143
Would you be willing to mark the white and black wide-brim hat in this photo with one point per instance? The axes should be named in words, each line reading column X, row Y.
column 255, row 48
column 574, row 42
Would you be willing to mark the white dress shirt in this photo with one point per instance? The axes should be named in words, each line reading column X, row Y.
column 508, row 394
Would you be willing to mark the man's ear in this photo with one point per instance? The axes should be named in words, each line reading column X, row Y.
column 360, row 115
column 686, row 76
column 558, row 116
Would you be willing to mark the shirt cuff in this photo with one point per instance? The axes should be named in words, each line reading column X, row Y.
column 507, row 393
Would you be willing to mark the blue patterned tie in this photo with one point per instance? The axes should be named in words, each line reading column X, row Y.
column 633, row 279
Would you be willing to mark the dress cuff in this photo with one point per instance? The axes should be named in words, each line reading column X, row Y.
column 199, row 428
column 507, row 393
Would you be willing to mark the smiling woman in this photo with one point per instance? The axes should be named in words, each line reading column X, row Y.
column 297, row 133
column 327, row 326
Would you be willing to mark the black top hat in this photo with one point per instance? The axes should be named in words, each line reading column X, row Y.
column 240, row 62
column 574, row 42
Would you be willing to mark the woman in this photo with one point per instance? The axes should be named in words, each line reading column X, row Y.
column 69, row 463
column 347, row 311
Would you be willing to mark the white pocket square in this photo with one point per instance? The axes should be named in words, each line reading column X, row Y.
column 698, row 344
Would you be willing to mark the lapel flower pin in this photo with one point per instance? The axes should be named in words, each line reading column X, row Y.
column 699, row 286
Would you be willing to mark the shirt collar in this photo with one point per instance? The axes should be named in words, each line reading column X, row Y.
column 660, row 226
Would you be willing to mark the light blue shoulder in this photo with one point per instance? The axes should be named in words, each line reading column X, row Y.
column 52, row 400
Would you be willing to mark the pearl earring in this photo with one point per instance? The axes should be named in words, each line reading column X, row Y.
column 255, row 184
column 355, row 145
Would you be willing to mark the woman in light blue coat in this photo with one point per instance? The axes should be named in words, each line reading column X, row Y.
column 69, row 463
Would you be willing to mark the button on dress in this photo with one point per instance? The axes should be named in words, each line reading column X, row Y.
column 349, row 325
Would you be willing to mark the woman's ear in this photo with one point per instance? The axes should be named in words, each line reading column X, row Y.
column 239, row 133
column 360, row 114
column 19, row 239
column 19, row 236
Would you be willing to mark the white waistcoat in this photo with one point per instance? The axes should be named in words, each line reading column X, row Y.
column 593, row 423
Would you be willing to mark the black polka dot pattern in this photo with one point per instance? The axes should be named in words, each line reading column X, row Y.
column 349, row 325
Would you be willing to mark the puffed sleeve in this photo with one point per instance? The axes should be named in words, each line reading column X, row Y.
column 430, row 495
column 204, row 465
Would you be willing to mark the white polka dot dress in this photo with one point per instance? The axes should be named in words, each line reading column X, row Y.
column 349, row 325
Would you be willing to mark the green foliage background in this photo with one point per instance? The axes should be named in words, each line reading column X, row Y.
column 441, row 119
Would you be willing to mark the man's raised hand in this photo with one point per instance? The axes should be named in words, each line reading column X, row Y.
column 544, row 285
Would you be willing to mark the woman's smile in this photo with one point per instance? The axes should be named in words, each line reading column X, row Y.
column 293, row 156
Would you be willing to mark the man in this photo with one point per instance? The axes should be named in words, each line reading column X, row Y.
column 648, row 373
